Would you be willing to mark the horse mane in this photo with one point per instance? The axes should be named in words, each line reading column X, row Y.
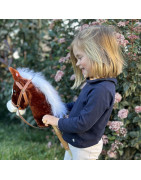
column 51, row 95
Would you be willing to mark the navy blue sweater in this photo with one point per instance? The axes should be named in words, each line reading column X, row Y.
column 89, row 114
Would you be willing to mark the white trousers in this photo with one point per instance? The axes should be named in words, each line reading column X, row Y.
column 90, row 153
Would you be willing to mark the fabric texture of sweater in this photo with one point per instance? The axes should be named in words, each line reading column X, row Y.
column 89, row 114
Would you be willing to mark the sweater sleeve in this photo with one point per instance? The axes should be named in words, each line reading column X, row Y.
column 98, row 101
column 69, row 106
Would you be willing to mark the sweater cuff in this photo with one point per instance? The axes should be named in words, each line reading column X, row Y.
column 60, row 124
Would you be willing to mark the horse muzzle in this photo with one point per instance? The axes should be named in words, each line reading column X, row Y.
column 13, row 108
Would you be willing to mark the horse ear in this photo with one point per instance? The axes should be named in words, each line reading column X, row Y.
column 15, row 73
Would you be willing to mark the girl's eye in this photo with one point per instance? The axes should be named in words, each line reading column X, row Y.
column 79, row 58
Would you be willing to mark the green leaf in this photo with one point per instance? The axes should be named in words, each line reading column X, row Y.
column 125, row 87
column 133, row 134
column 111, row 138
column 136, row 119
column 120, row 152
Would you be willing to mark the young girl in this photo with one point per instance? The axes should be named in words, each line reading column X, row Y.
column 97, row 59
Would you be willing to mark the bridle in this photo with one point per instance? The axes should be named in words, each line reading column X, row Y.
column 23, row 93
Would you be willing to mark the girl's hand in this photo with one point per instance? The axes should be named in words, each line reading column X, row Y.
column 48, row 119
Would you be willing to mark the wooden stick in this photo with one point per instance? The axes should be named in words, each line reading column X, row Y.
column 64, row 143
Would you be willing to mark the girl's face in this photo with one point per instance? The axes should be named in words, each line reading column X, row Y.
column 82, row 61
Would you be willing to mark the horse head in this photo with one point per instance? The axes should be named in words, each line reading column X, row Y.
column 19, row 83
column 32, row 88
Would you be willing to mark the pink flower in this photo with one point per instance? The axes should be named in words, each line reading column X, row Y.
column 105, row 139
column 137, row 29
column 133, row 37
column 49, row 144
column 118, row 143
column 125, row 42
column 121, row 24
column 115, row 125
column 61, row 40
column 83, row 27
column 95, row 23
column 62, row 59
column 123, row 131
column 98, row 22
column 63, row 68
column 123, row 113
column 112, row 154
column 138, row 109
column 115, row 145
column 118, row 98
column 101, row 20
column 68, row 56
column 72, row 77
column 59, row 75
column 121, row 39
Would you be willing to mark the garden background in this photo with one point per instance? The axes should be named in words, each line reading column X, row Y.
column 43, row 45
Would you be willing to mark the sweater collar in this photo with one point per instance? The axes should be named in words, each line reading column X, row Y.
column 114, row 80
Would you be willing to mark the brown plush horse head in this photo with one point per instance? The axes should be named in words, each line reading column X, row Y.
column 38, row 94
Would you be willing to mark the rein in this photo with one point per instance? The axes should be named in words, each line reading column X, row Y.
column 23, row 93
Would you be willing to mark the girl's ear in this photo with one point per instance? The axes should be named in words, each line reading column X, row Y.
column 15, row 73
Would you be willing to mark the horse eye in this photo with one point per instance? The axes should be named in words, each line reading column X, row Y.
column 14, row 91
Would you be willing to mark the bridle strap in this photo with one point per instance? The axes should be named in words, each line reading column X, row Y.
column 23, row 93
column 26, row 121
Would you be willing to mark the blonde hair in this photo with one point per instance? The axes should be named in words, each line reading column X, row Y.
column 102, row 49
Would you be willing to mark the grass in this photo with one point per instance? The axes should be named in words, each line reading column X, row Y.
column 21, row 143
